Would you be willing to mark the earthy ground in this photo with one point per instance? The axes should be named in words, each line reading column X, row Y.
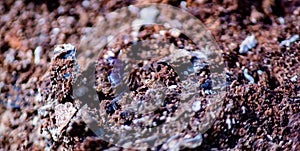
column 262, row 114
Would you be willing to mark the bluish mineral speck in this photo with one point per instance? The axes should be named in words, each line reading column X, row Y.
column 207, row 85
column 115, row 75
column 248, row 76
column 114, row 78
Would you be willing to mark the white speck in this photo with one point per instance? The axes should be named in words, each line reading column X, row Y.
column 294, row 78
column 269, row 137
column 111, row 39
column 35, row 121
column 192, row 142
column 37, row 54
column 172, row 87
column 155, row 35
column 281, row 20
column 162, row 32
column 10, row 56
column 247, row 76
column 162, row 118
column 110, row 53
column 294, row 38
column 243, row 109
column 285, row 42
column 54, row 133
column 233, row 121
column 38, row 97
column 206, row 91
column 111, row 16
column 42, row 21
column 149, row 13
column 134, row 34
column 85, row 4
column 175, row 32
column 228, row 122
column 133, row 9
column 148, row 16
column 249, row 43
column 289, row 41
column 61, row 10
column 167, row 25
column 55, row 31
column 126, row 127
column 196, row 106
column 259, row 72
column 183, row 5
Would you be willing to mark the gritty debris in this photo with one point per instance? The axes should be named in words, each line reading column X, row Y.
column 249, row 43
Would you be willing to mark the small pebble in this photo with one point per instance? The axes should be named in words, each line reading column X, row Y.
column 281, row 20
column 175, row 32
column 183, row 5
column 149, row 14
column 259, row 72
column 85, row 3
column 55, row 31
column 37, row 54
column 247, row 76
column 196, row 106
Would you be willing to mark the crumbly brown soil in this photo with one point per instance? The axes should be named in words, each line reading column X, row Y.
column 259, row 116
